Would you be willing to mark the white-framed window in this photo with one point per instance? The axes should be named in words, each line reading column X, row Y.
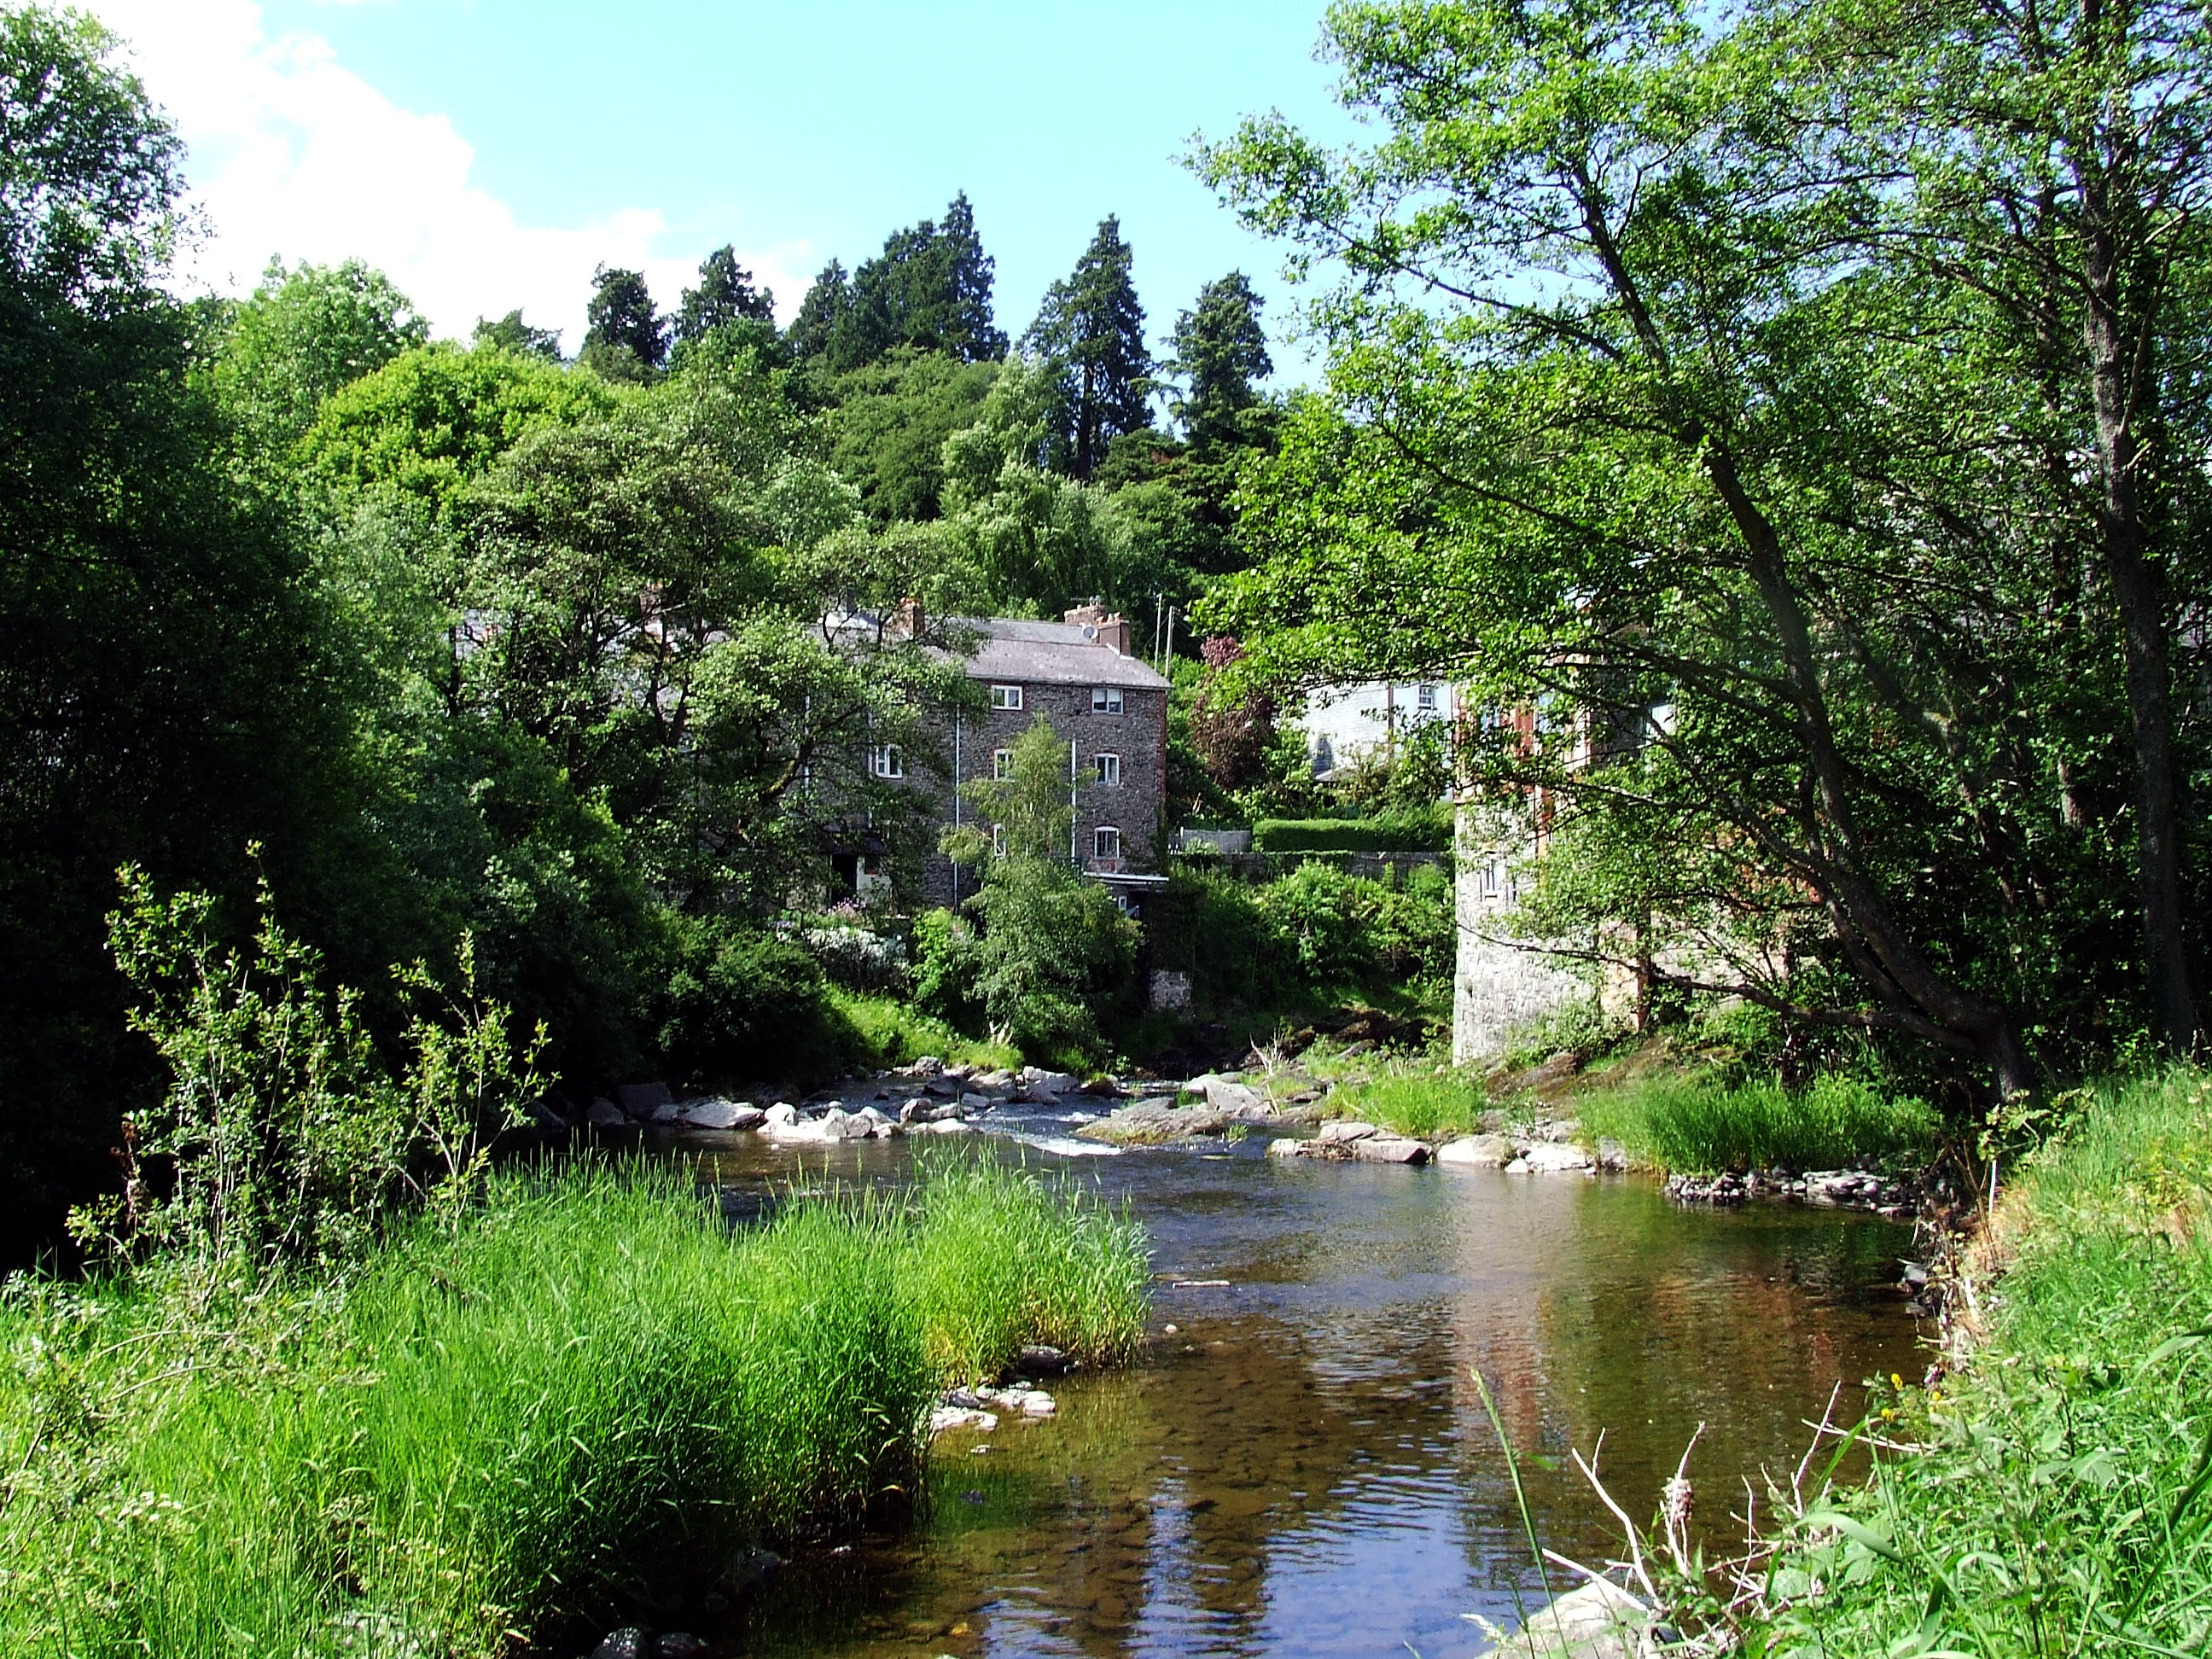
column 886, row 761
column 1002, row 764
column 1105, row 699
column 1425, row 698
column 1106, row 842
column 998, row 840
column 1108, row 771
column 1006, row 696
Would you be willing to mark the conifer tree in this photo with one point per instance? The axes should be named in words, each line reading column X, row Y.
column 821, row 312
column 1091, row 326
column 726, row 294
column 626, row 339
column 1221, row 350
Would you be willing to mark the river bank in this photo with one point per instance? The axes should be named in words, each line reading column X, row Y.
column 2044, row 1492
column 583, row 1393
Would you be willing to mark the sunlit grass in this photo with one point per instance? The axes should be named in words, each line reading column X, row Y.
column 490, row 1428
column 1428, row 1105
column 2062, row 1505
column 1698, row 1126
column 894, row 1034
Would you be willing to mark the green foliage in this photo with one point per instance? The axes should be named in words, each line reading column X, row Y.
column 1700, row 1124
column 1090, row 334
column 625, row 337
column 726, row 298
column 304, row 335
column 1415, row 830
column 1054, row 949
column 741, row 1002
column 891, row 419
column 1314, row 916
column 929, row 288
column 494, row 1428
column 894, row 1033
column 284, row 1138
column 511, row 333
column 1428, row 1105
column 948, row 969
column 2048, row 1497
column 1221, row 350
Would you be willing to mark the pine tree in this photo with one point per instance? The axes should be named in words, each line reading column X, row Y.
column 1221, row 350
column 726, row 294
column 1091, row 326
column 929, row 288
column 511, row 333
column 821, row 312
column 626, row 339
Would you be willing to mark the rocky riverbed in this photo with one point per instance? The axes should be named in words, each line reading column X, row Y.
column 1291, row 1113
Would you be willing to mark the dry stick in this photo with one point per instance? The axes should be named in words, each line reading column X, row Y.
column 1820, row 1433
column 1627, row 1525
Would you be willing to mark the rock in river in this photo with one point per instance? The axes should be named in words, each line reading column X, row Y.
column 1482, row 1152
column 1550, row 1158
column 719, row 1114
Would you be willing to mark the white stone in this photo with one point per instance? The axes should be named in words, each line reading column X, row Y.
column 719, row 1115
column 1555, row 1158
column 783, row 1113
column 945, row 1419
column 1480, row 1151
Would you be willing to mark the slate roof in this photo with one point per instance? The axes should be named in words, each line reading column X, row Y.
column 1050, row 652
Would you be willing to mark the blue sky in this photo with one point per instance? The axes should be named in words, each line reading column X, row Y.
column 488, row 152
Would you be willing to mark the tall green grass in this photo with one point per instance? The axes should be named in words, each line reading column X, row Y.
column 1698, row 1126
column 2061, row 1504
column 1427, row 1105
column 496, row 1427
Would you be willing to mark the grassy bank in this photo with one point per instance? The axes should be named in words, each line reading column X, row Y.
column 2054, row 1499
column 486, row 1430
column 1700, row 1124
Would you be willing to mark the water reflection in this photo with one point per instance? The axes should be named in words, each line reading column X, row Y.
column 1304, row 1468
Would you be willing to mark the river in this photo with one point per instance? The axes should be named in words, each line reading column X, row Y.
column 1303, row 1466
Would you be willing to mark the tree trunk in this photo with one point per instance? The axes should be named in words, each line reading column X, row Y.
column 2113, row 367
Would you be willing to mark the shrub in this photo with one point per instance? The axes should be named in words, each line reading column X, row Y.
column 742, row 1003
column 857, row 959
column 1413, row 929
column 1404, row 830
column 1314, row 914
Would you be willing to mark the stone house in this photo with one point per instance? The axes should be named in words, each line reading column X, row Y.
column 1109, row 707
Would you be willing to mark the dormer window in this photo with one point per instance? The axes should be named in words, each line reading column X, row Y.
column 1006, row 696
column 1105, row 699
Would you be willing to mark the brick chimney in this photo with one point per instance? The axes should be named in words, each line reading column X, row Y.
column 1109, row 629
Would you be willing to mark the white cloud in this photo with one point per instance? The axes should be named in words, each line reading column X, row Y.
column 293, row 155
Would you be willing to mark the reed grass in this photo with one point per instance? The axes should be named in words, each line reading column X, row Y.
column 1428, row 1105
column 497, row 1426
column 2052, row 1495
column 1699, row 1126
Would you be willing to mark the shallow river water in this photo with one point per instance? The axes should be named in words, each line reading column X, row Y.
column 1304, row 1466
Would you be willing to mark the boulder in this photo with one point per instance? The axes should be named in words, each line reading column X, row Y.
column 1046, row 1087
column 1151, row 1122
column 1341, row 1130
column 1611, row 1154
column 946, row 1125
column 1389, row 1149
column 975, row 1103
column 1600, row 1621
column 782, row 1115
column 947, row 1418
column 719, row 1114
column 1479, row 1151
column 1288, row 1147
column 1042, row 1359
column 838, row 1124
column 629, row 1643
column 1237, row 1099
column 604, row 1113
column 1556, row 1157
column 641, row 1100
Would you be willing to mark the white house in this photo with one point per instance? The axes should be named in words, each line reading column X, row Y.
column 1344, row 724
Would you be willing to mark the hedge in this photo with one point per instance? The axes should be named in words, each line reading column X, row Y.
column 1425, row 830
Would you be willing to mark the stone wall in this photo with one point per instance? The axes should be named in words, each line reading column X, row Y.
column 1498, row 981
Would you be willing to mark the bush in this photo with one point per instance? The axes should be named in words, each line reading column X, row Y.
column 1699, row 1125
column 741, row 1002
column 857, row 957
